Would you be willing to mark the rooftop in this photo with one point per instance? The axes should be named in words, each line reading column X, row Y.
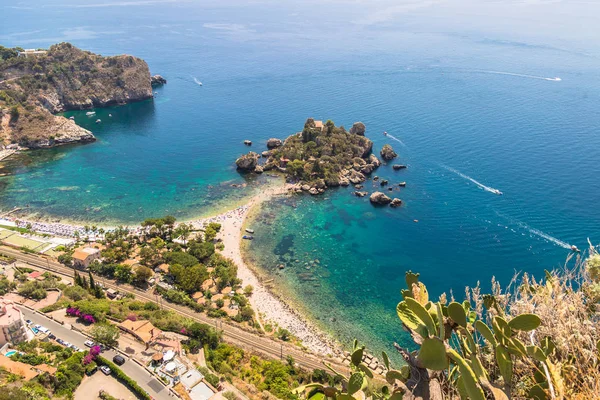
column 9, row 313
column 18, row 368
column 144, row 330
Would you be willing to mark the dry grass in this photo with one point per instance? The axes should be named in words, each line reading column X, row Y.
column 566, row 300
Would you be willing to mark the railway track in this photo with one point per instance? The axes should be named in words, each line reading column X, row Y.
column 266, row 346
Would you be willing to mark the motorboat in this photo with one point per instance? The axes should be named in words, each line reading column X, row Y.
column 496, row 191
column 90, row 113
column 98, row 120
column 248, row 237
column 249, row 230
column 575, row 249
column 385, row 133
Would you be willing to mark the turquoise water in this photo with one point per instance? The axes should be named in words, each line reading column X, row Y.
column 469, row 92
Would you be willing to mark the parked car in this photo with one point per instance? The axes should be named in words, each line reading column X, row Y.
column 52, row 336
column 29, row 322
column 66, row 344
column 119, row 360
column 105, row 370
column 89, row 343
column 74, row 347
column 60, row 341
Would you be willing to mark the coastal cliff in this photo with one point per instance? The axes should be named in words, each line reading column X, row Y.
column 36, row 85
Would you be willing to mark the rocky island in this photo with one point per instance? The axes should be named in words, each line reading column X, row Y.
column 35, row 85
column 322, row 155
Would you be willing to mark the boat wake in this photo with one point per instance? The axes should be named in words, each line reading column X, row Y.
column 396, row 139
column 479, row 184
column 197, row 81
column 544, row 235
column 555, row 79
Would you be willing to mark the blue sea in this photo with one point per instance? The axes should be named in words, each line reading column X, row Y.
column 467, row 90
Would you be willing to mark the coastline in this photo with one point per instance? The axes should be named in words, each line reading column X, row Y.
column 267, row 304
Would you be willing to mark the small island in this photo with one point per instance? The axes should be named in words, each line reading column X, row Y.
column 37, row 84
column 322, row 155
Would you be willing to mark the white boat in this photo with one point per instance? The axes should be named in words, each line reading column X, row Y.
column 98, row 120
column 90, row 113
column 249, row 230
column 496, row 191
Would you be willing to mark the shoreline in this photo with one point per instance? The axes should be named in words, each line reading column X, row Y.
column 269, row 306
column 266, row 303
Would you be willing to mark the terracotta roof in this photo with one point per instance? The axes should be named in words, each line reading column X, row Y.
column 34, row 274
column 164, row 268
column 80, row 255
column 18, row 368
column 46, row 368
column 197, row 295
column 144, row 330
column 157, row 356
column 319, row 124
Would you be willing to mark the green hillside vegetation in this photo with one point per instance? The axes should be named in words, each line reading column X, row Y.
column 322, row 155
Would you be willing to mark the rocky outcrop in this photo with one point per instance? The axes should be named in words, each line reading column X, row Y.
column 395, row 203
column 358, row 128
column 266, row 154
column 356, row 177
column 360, row 194
column 388, row 153
column 374, row 160
column 247, row 162
column 65, row 78
column 274, row 143
column 258, row 169
column 397, row 167
column 379, row 198
column 157, row 80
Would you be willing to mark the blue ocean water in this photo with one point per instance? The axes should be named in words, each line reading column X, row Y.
column 467, row 89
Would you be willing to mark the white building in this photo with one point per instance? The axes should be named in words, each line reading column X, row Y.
column 12, row 325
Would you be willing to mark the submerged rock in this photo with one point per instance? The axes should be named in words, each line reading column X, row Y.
column 379, row 198
column 396, row 203
column 396, row 167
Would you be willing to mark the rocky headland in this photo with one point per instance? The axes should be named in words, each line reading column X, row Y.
column 36, row 85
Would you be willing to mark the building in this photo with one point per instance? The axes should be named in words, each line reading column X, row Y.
column 26, row 371
column 141, row 330
column 31, row 52
column 83, row 257
column 319, row 125
column 12, row 326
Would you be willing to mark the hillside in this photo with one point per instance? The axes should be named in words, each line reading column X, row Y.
column 36, row 86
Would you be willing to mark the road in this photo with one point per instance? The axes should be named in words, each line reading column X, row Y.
column 263, row 345
column 136, row 372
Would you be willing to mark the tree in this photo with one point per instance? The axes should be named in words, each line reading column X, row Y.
column 123, row 273
column 248, row 289
column 66, row 259
column 142, row 274
column 189, row 279
column 204, row 333
column 75, row 293
column 202, row 251
column 105, row 333
column 92, row 283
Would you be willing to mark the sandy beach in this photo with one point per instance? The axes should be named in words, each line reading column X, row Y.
column 265, row 303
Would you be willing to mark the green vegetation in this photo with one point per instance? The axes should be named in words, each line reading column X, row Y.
column 105, row 333
column 37, row 289
column 274, row 376
column 539, row 341
column 322, row 156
